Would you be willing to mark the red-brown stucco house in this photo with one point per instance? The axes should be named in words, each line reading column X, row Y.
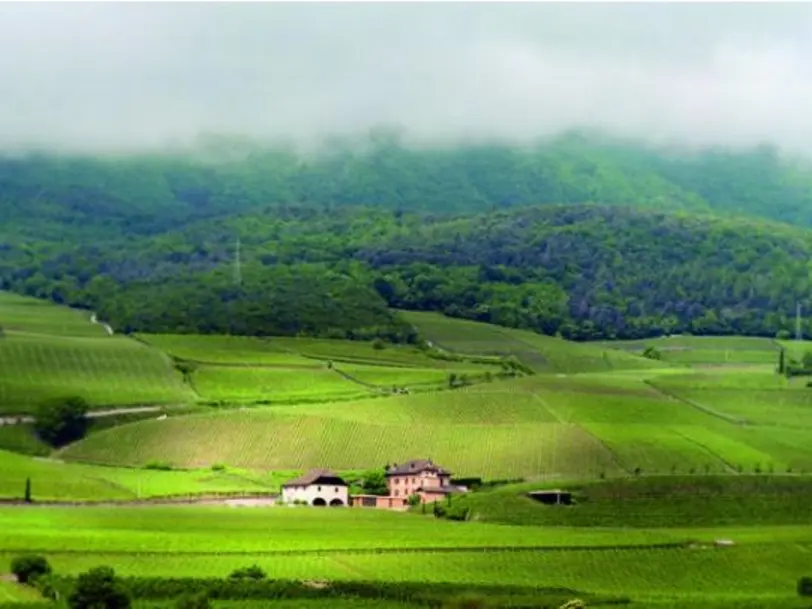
column 420, row 477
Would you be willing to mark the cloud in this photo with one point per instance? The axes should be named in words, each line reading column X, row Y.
column 132, row 75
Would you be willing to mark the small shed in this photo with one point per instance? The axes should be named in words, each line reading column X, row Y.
column 551, row 497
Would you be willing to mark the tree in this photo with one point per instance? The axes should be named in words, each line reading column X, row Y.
column 807, row 360
column 27, row 490
column 652, row 353
column 29, row 567
column 194, row 601
column 99, row 589
column 374, row 482
column 253, row 572
column 782, row 364
column 805, row 586
column 63, row 421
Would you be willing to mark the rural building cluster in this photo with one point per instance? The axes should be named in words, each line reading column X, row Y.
column 420, row 478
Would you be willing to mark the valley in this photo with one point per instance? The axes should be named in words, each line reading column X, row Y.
column 665, row 456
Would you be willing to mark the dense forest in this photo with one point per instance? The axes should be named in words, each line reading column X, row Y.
column 583, row 237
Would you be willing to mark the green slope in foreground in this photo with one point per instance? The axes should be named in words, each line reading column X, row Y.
column 653, row 564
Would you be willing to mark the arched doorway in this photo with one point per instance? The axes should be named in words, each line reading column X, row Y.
column 319, row 502
column 336, row 502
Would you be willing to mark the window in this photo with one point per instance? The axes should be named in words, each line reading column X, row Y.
column 413, row 480
column 397, row 480
column 396, row 493
column 336, row 489
column 318, row 489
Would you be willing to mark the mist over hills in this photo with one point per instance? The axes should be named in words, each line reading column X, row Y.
column 591, row 170
column 146, row 194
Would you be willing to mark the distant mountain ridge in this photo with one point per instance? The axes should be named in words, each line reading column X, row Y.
column 83, row 197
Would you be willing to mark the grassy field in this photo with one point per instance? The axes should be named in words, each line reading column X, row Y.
column 208, row 541
column 706, row 350
column 19, row 314
column 541, row 353
column 12, row 592
column 542, row 426
column 282, row 439
column 244, row 384
column 242, row 350
column 653, row 502
column 53, row 480
column 105, row 371
column 50, row 352
column 707, row 443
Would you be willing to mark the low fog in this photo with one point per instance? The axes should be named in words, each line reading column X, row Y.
column 115, row 76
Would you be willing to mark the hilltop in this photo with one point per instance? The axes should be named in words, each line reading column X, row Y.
column 45, row 195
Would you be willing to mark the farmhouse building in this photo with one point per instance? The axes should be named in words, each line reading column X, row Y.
column 318, row 487
column 418, row 477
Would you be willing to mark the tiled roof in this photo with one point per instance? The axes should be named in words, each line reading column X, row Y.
column 316, row 474
column 416, row 466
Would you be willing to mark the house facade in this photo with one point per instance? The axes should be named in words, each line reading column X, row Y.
column 318, row 487
column 417, row 477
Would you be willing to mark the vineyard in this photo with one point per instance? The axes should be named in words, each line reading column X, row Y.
column 694, row 350
column 19, row 314
column 213, row 541
column 664, row 457
column 108, row 371
column 542, row 426
column 56, row 481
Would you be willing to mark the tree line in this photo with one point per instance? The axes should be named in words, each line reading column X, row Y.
column 583, row 272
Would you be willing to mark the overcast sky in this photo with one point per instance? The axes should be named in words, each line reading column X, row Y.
column 115, row 74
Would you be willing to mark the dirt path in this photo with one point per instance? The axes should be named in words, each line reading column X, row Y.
column 106, row 327
column 96, row 414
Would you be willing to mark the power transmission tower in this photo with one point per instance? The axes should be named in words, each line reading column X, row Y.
column 797, row 321
column 237, row 268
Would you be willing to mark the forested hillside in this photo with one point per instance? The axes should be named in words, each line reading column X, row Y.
column 82, row 198
column 586, row 272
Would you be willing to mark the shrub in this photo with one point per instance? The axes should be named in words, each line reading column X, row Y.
column 63, row 421
column 413, row 500
column 47, row 586
column 652, row 353
column 218, row 467
column 29, row 567
column 805, row 586
column 194, row 601
column 185, row 367
column 252, row 572
column 378, row 344
column 159, row 465
column 99, row 589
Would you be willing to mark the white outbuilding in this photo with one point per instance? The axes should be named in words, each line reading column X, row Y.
column 319, row 487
